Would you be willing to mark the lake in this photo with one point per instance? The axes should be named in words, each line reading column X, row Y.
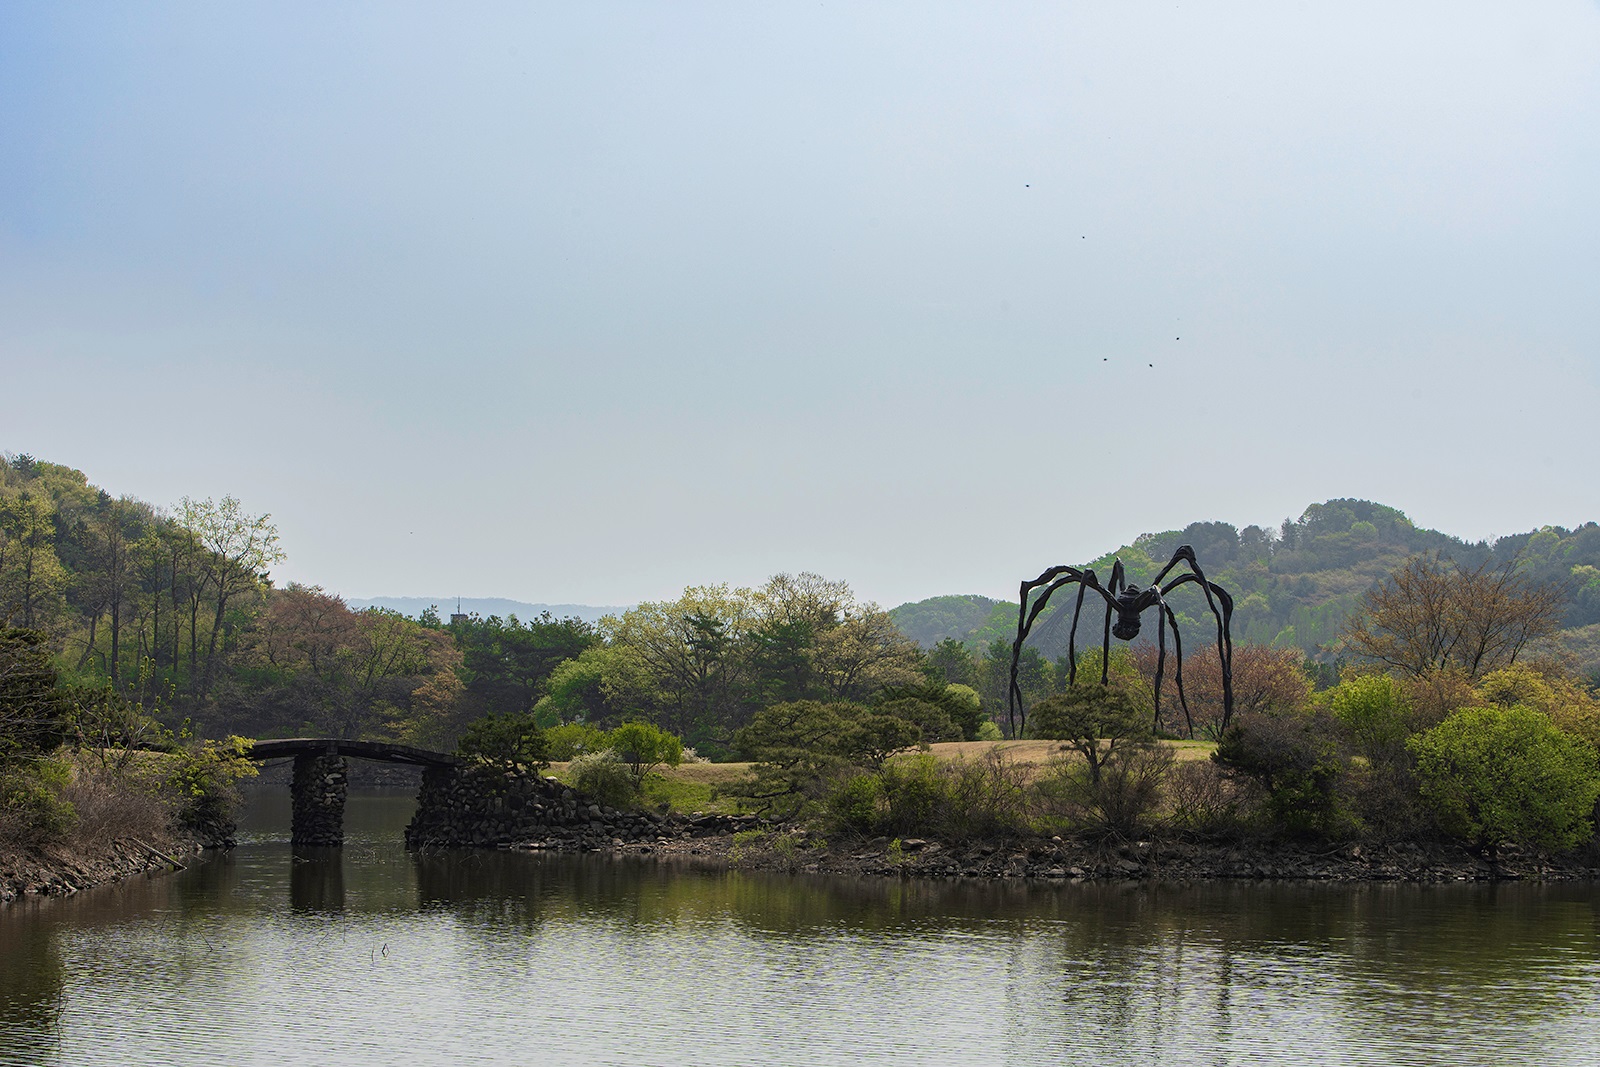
column 368, row 955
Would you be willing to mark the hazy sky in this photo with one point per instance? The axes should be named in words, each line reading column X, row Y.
column 588, row 302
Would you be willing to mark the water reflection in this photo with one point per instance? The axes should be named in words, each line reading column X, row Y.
column 284, row 955
column 316, row 878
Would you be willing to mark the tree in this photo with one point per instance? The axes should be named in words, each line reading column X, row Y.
column 951, row 662
column 800, row 747
column 238, row 550
column 1265, row 679
column 1434, row 615
column 511, row 742
column 32, row 579
column 507, row 663
column 1093, row 720
column 644, row 747
column 33, row 710
column 1506, row 775
column 695, row 652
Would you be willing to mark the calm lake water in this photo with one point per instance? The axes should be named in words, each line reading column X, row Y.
column 376, row 957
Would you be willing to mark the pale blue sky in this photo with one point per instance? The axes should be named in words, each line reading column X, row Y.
column 588, row 302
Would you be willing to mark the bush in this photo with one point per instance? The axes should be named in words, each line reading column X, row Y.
column 855, row 804
column 644, row 747
column 32, row 808
column 1094, row 720
column 1200, row 798
column 1118, row 797
column 1373, row 708
column 1507, row 775
column 1296, row 761
column 205, row 779
column 511, row 742
column 573, row 739
column 604, row 777
column 917, row 794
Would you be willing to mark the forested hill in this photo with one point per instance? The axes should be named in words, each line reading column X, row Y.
column 1293, row 586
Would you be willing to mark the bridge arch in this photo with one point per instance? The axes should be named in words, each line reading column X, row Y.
column 321, row 778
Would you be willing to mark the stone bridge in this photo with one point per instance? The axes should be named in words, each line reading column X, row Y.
column 472, row 805
column 321, row 778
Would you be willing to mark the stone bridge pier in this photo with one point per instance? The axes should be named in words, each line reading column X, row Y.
column 321, row 780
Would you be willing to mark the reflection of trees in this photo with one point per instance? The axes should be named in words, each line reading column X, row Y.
column 31, row 989
column 1143, row 970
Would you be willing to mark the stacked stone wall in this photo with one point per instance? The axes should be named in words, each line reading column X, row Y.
column 481, row 807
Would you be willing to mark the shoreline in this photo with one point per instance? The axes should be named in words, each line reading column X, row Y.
column 1069, row 860
column 60, row 871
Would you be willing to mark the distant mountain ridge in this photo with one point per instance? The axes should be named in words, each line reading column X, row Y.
column 1292, row 586
column 414, row 606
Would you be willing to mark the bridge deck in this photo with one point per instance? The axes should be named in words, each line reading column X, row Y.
column 383, row 751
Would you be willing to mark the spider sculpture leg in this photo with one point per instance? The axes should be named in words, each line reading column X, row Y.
column 1072, row 639
column 1177, row 652
column 1215, row 595
column 1051, row 580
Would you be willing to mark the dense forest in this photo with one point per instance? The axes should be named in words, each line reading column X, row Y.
column 1295, row 586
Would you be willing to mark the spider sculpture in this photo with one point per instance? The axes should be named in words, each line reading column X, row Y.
column 1129, row 602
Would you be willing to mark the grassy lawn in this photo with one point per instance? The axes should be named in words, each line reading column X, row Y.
column 690, row 788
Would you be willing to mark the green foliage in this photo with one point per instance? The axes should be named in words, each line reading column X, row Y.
column 33, row 711
column 506, row 663
column 205, row 776
column 966, row 710
column 1093, row 719
column 604, row 777
column 917, row 794
column 1119, row 797
column 1374, row 709
column 801, row 747
column 1506, row 775
column 511, row 742
column 989, row 730
column 573, row 739
column 644, row 747
column 854, row 804
column 32, row 809
column 1296, row 760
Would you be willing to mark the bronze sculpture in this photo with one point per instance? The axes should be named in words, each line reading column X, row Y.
column 1129, row 602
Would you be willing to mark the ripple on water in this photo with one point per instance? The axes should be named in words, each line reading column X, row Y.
column 372, row 957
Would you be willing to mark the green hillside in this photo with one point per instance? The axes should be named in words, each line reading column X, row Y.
column 1292, row 586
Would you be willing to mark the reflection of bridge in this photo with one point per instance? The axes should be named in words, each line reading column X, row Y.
column 321, row 779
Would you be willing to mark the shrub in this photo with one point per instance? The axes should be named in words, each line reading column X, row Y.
column 604, row 777
column 573, row 739
column 1117, row 797
column 1201, row 798
column 1296, row 761
column 855, row 804
column 644, row 747
column 1507, row 775
column 205, row 779
column 32, row 808
column 1093, row 719
column 511, row 742
column 1373, row 708
column 917, row 794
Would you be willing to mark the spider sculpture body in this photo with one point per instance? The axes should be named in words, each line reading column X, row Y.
column 1128, row 602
